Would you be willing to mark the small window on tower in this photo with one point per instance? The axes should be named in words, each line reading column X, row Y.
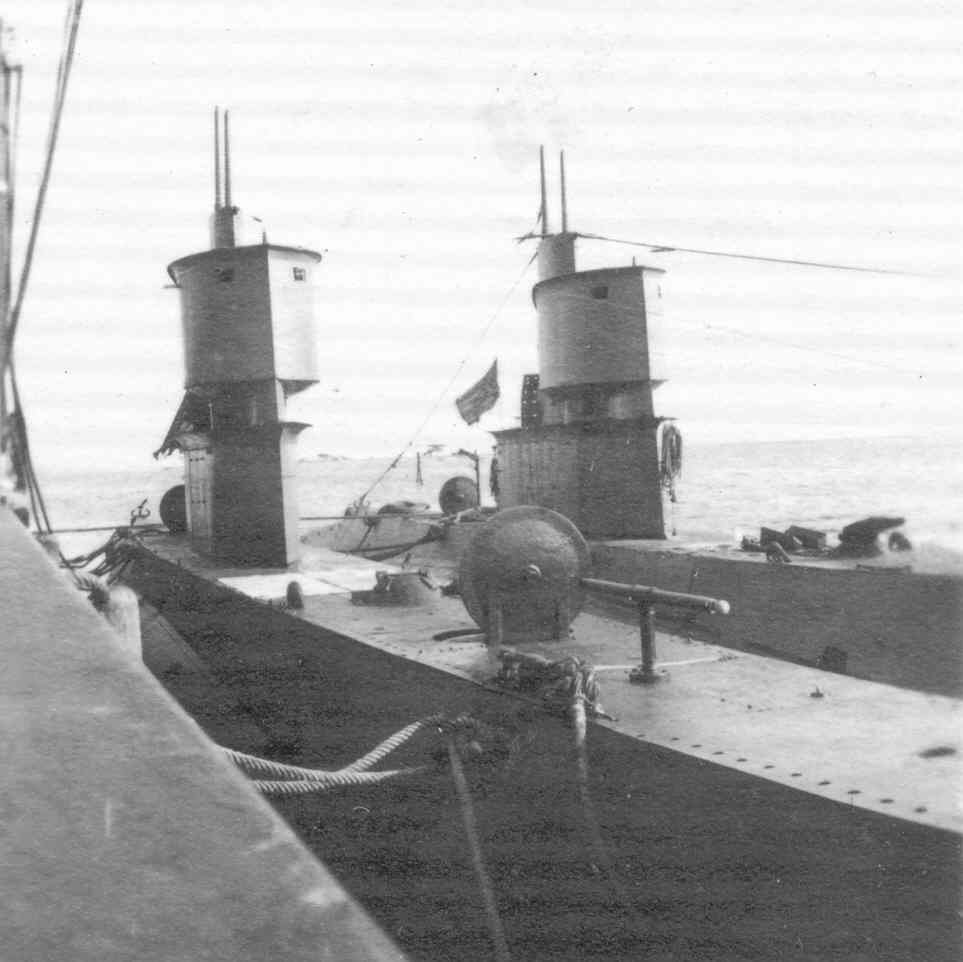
column 600, row 293
column 224, row 274
column 300, row 274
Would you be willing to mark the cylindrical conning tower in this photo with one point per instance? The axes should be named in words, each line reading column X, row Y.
column 590, row 446
column 248, row 316
column 249, row 313
column 593, row 327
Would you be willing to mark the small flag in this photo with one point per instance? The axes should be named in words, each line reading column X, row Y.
column 480, row 397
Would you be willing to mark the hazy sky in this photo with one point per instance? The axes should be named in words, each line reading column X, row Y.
column 400, row 139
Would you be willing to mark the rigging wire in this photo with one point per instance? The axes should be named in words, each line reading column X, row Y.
column 9, row 330
column 750, row 335
column 13, row 83
column 659, row 248
column 23, row 443
column 63, row 76
column 755, row 336
column 672, row 249
column 471, row 350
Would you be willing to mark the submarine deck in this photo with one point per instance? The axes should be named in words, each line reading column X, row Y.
column 856, row 742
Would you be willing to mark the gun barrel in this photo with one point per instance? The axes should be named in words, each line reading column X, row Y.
column 651, row 595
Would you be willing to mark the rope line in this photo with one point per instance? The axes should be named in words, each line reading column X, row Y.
column 330, row 781
column 471, row 350
column 812, row 350
column 296, row 780
column 10, row 160
column 604, row 860
column 142, row 529
column 619, row 303
column 10, row 324
column 390, row 744
column 71, row 26
column 672, row 249
column 495, row 928
column 255, row 763
column 22, row 440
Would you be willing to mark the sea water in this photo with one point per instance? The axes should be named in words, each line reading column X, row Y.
column 726, row 490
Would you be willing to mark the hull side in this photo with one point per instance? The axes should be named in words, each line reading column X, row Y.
column 707, row 862
column 889, row 625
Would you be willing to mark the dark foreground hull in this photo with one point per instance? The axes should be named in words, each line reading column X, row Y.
column 699, row 861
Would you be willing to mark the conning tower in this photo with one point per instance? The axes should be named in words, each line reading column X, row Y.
column 590, row 445
column 248, row 315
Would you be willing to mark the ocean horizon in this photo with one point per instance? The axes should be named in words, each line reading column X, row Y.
column 727, row 489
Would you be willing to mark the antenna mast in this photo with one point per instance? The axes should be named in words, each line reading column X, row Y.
column 6, row 230
column 217, row 158
column 561, row 166
column 556, row 252
column 223, row 220
column 227, row 160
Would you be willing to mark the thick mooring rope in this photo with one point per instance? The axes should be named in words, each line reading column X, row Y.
column 258, row 765
column 495, row 928
column 323, row 781
column 571, row 684
column 390, row 744
column 295, row 780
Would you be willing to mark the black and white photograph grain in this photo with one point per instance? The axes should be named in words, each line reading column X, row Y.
column 481, row 481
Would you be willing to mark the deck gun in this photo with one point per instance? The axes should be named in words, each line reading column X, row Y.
column 524, row 577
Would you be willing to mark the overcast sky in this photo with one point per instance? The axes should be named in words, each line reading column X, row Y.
column 400, row 139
